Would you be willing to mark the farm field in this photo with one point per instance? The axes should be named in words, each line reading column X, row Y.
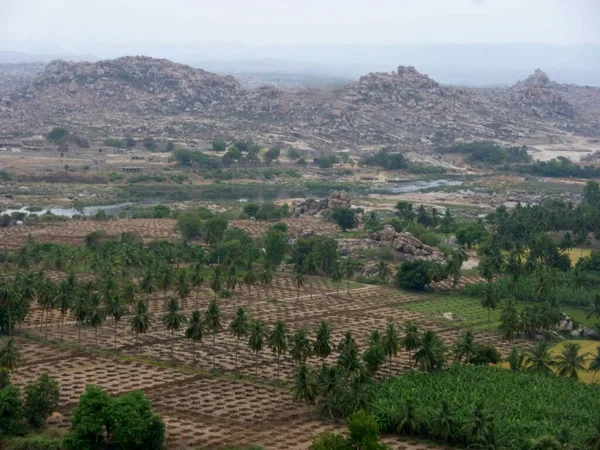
column 204, row 409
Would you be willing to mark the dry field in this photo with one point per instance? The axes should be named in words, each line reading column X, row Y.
column 202, row 409
column 73, row 232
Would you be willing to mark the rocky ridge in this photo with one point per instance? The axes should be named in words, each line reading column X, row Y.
column 403, row 108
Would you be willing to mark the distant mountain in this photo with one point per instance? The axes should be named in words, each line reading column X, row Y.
column 12, row 57
column 148, row 96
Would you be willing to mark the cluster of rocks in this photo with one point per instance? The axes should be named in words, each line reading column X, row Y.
column 318, row 207
column 406, row 243
column 404, row 107
column 568, row 326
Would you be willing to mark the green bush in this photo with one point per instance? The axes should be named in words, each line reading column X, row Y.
column 415, row 275
column 34, row 443
column 524, row 406
column 425, row 235
column 114, row 142
column 41, row 399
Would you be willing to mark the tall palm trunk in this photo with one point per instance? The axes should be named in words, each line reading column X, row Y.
column 311, row 289
column 96, row 332
column 172, row 346
column 277, row 366
column 62, row 327
column 193, row 352
column 256, row 364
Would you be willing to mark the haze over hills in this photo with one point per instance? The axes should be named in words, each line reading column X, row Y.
column 465, row 64
column 142, row 95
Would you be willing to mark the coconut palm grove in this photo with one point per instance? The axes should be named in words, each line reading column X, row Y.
column 239, row 332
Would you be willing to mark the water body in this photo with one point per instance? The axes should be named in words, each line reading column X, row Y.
column 70, row 212
column 415, row 186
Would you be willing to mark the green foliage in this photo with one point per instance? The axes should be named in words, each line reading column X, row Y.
column 271, row 155
column 560, row 167
column 34, row 443
column 57, row 135
column 234, row 153
column 219, row 145
column 161, row 212
column 275, row 247
column 386, row 159
column 516, row 399
column 488, row 153
column 114, row 142
column 12, row 422
column 5, row 176
column 125, row 422
column 345, row 218
column 423, row 234
column 415, row 275
column 149, row 143
column 326, row 162
column 330, row 441
column 213, row 230
column 189, row 224
column 41, row 400
column 270, row 211
column 129, row 142
column 251, row 209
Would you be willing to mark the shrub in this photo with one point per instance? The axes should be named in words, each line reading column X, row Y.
column 114, row 142
column 271, row 155
column 280, row 226
column 415, row 275
column 423, row 234
column 189, row 224
column 345, row 218
column 486, row 354
column 161, row 212
column 57, row 135
column 12, row 422
column 34, row 443
column 386, row 159
column 149, row 143
column 41, row 399
column 219, row 145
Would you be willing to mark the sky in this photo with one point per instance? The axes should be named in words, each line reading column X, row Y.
column 77, row 25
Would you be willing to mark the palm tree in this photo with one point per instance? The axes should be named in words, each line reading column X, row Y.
column 8, row 297
column 140, row 322
column 256, row 339
column 465, row 348
column 239, row 327
column 489, row 302
column 595, row 309
column 304, row 389
column 172, row 319
column 540, row 360
column 80, row 311
column 412, row 338
column 231, row 282
column 197, row 279
column 595, row 363
column 9, row 355
column 592, row 441
column 569, row 363
column 213, row 323
column 65, row 302
column 516, row 359
column 322, row 346
column 430, row 354
column 348, row 268
column 509, row 320
column 383, row 272
column 337, row 276
column 146, row 284
column 410, row 422
column 249, row 279
column 46, row 299
column 300, row 346
column 182, row 286
column 311, row 266
column 95, row 314
column 328, row 384
column 391, row 342
column 266, row 276
column 216, row 283
column 129, row 291
column 480, row 427
column 277, row 341
column 195, row 332
column 115, row 308
column 165, row 277
column 445, row 423
column 298, row 280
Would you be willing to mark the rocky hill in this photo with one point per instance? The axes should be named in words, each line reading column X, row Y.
column 404, row 107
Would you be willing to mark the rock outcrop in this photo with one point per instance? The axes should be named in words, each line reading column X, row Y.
column 406, row 243
column 316, row 207
column 537, row 95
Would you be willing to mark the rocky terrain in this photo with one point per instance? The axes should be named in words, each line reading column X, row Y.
column 142, row 95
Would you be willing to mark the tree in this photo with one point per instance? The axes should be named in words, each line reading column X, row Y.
column 271, row 155
column 12, row 421
column 256, row 339
column 216, row 283
column 213, row 324
column 490, row 301
column 516, row 359
column 239, row 328
column 322, row 346
column 405, row 211
column 172, row 319
column 480, row 427
column 195, row 331
column 189, row 224
column 363, row 432
column 165, row 277
column 337, row 276
column 161, row 212
column 374, row 357
column 182, row 286
column 430, row 354
column 95, row 314
column 410, row 419
column 149, row 143
column 57, row 135
column 345, row 218
column 213, row 230
column 304, row 389
column 412, row 338
column 277, row 341
column 41, row 400
column 275, row 247
column 266, row 275
column 298, row 280
column 328, row 384
column 466, row 348
column 116, row 309
column 251, row 209
column 445, row 424
column 569, row 363
column 414, row 275
column 539, row 359
column 594, row 310
column 391, row 342
column 348, row 268
column 300, row 346
column 219, row 145
column 10, row 357
column 509, row 320
column 383, row 272
column 140, row 322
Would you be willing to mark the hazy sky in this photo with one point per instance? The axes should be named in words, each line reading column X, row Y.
column 73, row 24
